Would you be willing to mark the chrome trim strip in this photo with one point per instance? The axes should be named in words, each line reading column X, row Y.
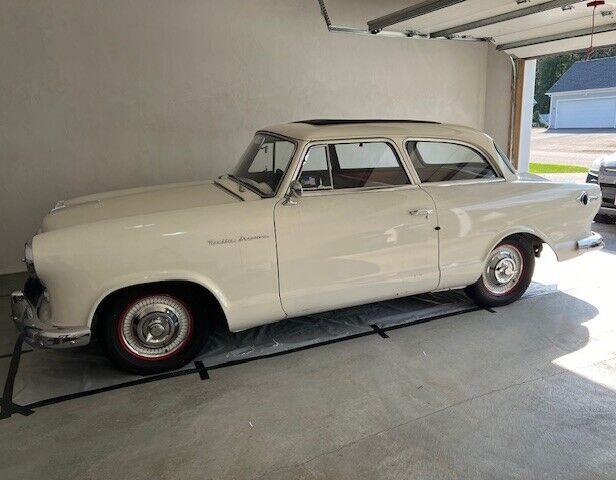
column 40, row 334
column 220, row 185
column 451, row 183
column 347, row 191
column 58, row 206
column 592, row 242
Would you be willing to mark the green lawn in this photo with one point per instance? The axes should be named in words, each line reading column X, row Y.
column 556, row 168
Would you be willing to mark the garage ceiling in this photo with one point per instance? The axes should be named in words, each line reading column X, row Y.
column 522, row 28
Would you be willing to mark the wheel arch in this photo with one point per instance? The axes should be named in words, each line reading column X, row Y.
column 535, row 237
column 179, row 285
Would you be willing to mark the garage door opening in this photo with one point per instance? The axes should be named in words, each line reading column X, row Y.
column 527, row 31
column 574, row 117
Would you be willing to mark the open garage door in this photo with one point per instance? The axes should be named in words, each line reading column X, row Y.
column 521, row 28
column 586, row 113
column 524, row 29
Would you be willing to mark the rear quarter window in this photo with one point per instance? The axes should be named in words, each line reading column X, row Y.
column 437, row 161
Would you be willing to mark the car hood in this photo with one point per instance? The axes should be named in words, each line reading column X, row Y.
column 142, row 201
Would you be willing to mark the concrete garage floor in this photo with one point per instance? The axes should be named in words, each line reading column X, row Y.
column 526, row 392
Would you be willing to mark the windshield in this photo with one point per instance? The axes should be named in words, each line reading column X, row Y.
column 264, row 163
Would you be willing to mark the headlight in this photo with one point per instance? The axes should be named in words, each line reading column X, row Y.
column 29, row 259
column 596, row 166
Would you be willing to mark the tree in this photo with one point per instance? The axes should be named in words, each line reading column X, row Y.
column 550, row 69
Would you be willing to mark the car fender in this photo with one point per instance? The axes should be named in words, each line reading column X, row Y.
column 516, row 230
column 145, row 278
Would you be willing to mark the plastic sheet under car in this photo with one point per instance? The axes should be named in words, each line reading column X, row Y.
column 45, row 377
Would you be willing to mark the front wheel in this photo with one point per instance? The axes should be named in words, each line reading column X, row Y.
column 506, row 275
column 153, row 332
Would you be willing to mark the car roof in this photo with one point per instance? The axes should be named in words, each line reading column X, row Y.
column 333, row 129
column 318, row 122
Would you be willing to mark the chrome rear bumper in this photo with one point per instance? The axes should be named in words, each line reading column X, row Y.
column 592, row 242
column 40, row 334
column 608, row 211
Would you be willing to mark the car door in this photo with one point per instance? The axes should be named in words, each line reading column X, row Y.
column 472, row 199
column 360, row 232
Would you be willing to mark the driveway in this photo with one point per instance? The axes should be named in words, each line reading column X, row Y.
column 565, row 177
column 571, row 147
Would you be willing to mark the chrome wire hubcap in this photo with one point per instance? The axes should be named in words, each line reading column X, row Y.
column 155, row 327
column 503, row 270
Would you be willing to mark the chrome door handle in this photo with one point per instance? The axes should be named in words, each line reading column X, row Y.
column 422, row 212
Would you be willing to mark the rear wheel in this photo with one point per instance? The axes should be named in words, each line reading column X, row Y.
column 506, row 275
column 149, row 332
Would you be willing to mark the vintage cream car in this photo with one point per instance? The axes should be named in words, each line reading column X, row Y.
column 318, row 215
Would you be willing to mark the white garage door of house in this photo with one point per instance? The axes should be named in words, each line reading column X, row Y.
column 586, row 113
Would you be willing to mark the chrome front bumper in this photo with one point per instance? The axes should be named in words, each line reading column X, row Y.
column 594, row 241
column 40, row 334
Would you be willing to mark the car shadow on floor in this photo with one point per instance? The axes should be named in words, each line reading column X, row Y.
column 47, row 377
column 478, row 395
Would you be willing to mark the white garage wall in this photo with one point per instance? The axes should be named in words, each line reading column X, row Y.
column 499, row 77
column 99, row 95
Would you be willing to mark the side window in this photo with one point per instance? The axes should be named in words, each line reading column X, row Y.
column 316, row 173
column 366, row 164
column 443, row 162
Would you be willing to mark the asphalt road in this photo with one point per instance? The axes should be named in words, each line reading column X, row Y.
column 571, row 147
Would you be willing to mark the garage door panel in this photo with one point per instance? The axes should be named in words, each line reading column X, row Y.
column 586, row 113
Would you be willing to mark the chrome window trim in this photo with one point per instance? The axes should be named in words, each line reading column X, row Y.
column 451, row 183
column 481, row 152
column 332, row 191
column 348, row 191
column 504, row 158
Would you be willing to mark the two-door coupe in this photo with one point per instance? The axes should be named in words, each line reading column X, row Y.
column 318, row 215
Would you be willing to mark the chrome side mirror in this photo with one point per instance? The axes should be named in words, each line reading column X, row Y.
column 295, row 192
